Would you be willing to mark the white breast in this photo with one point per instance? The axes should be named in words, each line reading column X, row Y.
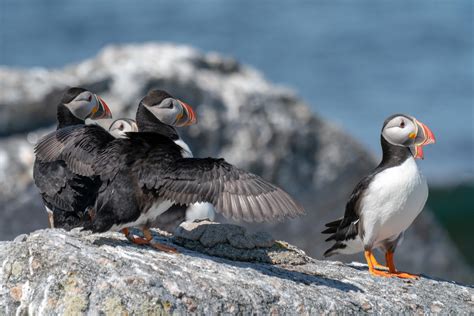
column 185, row 150
column 156, row 210
column 200, row 211
column 393, row 200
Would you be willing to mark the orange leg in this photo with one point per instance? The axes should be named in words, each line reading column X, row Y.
column 149, row 237
column 376, row 264
column 147, row 240
column 134, row 239
column 370, row 262
column 393, row 270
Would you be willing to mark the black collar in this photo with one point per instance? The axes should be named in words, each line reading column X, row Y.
column 66, row 118
column 147, row 122
column 392, row 155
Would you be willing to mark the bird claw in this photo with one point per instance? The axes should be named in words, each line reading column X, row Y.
column 163, row 247
column 378, row 273
column 405, row 275
column 387, row 274
column 137, row 240
column 381, row 267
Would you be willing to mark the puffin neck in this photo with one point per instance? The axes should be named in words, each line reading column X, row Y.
column 392, row 154
column 148, row 123
column 66, row 118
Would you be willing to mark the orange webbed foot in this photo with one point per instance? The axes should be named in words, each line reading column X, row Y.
column 148, row 235
column 164, row 248
column 134, row 239
column 138, row 240
column 377, row 265
column 393, row 270
column 405, row 275
column 379, row 273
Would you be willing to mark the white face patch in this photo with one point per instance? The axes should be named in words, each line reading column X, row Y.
column 81, row 106
column 397, row 131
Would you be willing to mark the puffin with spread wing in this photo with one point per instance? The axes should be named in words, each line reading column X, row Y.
column 144, row 174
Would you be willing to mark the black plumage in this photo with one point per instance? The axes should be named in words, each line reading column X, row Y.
column 147, row 169
column 66, row 194
column 386, row 202
column 347, row 228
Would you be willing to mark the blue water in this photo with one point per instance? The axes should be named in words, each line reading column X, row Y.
column 353, row 62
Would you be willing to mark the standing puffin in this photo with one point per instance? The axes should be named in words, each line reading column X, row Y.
column 62, row 191
column 145, row 174
column 385, row 203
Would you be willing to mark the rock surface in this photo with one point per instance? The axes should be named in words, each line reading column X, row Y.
column 252, row 123
column 55, row 272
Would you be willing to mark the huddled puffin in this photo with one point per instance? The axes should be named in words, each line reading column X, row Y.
column 119, row 129
column 386, row 202
column 62, row 191
column 144, row 174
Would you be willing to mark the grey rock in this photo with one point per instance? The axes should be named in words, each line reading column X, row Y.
column 243, row 118
column 262, row 239
column 20, row 238
column 54, row 272
column 241, row 241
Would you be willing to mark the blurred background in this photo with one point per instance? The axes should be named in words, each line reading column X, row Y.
column 353, row 63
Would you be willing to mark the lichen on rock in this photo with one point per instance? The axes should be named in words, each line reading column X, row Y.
column 54, row 272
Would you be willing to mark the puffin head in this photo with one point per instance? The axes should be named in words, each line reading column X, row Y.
column 406, row 131
column 84, row 104
column 168, row 109
column 120, row 127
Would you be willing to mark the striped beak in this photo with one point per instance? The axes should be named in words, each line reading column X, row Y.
column 423, row 136
column 187, row 116
column 101, row 110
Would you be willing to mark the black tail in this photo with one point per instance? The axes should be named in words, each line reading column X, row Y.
column 332, row 229
column 332, row 251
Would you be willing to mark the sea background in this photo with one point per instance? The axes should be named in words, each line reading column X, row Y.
column 354, row 63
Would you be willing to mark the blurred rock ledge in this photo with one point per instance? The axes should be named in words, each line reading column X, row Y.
column 242, row 117
column 56, row 272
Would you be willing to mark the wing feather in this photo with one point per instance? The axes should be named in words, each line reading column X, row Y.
column 235, row 193
column 78, row 146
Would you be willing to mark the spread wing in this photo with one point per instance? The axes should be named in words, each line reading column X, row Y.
column 77, row 145
column 233, row 192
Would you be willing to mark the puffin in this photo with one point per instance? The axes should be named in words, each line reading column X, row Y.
column 387, row 201
column 62, row 191
column 144, row 174
column 119, row 128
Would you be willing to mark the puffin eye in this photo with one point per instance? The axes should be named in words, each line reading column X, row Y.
column 402, row 124
column 121, row 127
column 168, row 104
column 89, row 99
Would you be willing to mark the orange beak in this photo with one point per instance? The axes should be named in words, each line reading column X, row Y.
column 423, row 137
column 101, row 110
column 189, row 117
